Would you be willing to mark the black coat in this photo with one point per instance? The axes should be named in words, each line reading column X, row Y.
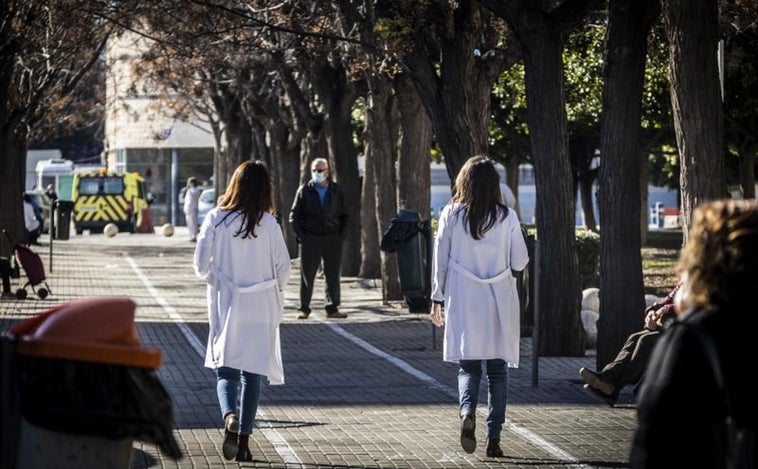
column 308, row 217
column 680, row 410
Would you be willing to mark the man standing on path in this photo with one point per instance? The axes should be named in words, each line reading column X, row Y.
column 191, row 201
column 319, row 219
column 51, row 195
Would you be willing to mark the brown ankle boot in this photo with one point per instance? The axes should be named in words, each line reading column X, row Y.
column 243, row 449
column 231, row 428
column 468, row 432
column 493, row 448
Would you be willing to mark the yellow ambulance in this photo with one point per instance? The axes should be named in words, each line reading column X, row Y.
column 102, row 197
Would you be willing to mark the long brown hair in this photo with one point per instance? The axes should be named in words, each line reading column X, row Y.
column 720, row 258
column 249, row 196
column 477, row 188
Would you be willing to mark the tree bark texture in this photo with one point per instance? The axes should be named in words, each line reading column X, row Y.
column 381, row 157
column 621, row 289
column 540, row 33
column 371, row 262
column 692, row 28
column 285, row 175
column 13, row 162
column 413, row 171
column 455, row 87
column 560, row 328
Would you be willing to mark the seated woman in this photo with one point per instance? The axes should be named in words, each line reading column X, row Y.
column 630, row 363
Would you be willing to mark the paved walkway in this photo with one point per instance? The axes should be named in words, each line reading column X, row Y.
column 369, row 391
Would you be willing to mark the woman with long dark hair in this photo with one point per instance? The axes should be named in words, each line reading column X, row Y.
column 242, row 255
column 478, row 247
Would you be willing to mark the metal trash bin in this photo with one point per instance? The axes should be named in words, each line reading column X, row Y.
column 411, row 238
column 63, row 209
column 83, row 389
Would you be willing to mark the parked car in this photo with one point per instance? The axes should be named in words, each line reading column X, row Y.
column 206, row 202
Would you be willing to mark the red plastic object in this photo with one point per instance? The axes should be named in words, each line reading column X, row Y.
column 99, row 330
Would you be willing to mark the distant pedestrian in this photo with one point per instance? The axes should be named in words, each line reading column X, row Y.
column 242, row 255
column 319, row 219
column 682, row 411
column 191, row 202
column 51, row 195
column 31, row 221
column 478, row 248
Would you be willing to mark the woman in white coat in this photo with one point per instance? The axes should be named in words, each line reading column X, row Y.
column 478, row 246
column 242, row 256
column 191, row 206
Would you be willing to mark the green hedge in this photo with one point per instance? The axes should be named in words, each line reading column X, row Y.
column 588, row 252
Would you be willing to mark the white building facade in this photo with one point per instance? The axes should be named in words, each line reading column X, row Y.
column 141, row 138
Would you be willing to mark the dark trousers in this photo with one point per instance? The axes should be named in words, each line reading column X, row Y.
column 631, row 361
column 5, row 272
column 33, row 235
column 314, row 249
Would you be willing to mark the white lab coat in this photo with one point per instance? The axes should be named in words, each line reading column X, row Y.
column 246, row 277
column 474, row 279
column 191, row 203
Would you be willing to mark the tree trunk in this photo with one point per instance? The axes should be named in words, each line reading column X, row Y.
column 380, row 155
column 621, row 289
column 12, row 178
column 285, row 173
column 413, row 168
column 560, row 327
column 455, row 87
column 747, row 172
column 512, row 180
column 259, row 150
column 539, row 34
column 371, row 262
column 692, row 31
column 588, row 209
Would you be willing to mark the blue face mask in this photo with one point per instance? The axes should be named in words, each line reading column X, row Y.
column 318, row 178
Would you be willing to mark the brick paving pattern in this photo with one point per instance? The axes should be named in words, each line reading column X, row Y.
column 369, row 391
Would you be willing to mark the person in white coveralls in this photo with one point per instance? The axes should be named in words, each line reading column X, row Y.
column 478, row 247
column 191, row 206
column 242, row 256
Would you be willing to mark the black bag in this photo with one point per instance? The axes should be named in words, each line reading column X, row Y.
column 97, row 399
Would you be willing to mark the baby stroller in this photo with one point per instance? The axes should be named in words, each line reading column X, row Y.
column 31, row 262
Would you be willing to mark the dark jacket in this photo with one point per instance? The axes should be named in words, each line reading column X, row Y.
column 680, row 411
column 307, row 216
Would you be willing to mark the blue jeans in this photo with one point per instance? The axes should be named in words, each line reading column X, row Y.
column 227, row 385
column 469, row 376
